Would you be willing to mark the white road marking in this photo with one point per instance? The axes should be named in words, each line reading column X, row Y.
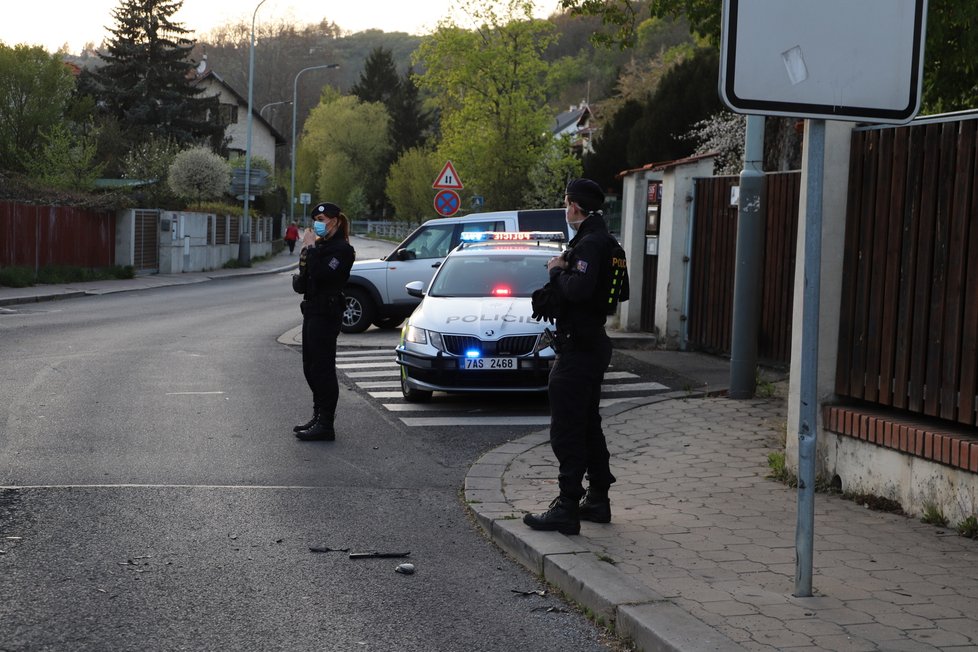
column 474, row 421
column 365, row 352
column 618, row 375
column 379, row 384
column 391, row 373
column 421, row 407
column 386, row 394
column 358, row 365
column 191, row 393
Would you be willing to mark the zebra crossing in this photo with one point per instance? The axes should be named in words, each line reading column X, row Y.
column 375, row 372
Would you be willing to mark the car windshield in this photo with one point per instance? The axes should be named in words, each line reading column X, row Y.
column 511, row 275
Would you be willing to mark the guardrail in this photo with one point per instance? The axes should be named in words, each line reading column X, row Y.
column 386, row 229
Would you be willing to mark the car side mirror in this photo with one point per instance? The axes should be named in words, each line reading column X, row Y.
column 404, row 254
column 415, row 289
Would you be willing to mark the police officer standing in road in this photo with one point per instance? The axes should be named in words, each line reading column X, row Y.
column 580, row 279
column 324, row 269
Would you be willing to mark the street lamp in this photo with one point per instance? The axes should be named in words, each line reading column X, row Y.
column 295, row 89
column 244, row 238
column 261, row 110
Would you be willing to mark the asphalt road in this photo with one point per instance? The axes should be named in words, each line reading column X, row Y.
column 152, row 496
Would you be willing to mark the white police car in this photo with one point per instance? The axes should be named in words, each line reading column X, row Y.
column 473, row 331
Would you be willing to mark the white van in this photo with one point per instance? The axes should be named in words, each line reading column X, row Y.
column 375, row 293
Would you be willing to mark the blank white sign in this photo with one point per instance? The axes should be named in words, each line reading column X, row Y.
column 831, row 59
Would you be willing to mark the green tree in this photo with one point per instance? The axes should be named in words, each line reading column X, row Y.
column 379, row 82
column 344, row 146
column 150, row 160
column 35, row 91
column 409, row 183
column 548, row 178
column 198, row 174
column 610, row 154
column 66, row 160
column 144, row 83
column 950, row 53
column 489, row 85
column 686, row 95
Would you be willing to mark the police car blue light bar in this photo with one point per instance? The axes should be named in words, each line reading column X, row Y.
column 512, row 236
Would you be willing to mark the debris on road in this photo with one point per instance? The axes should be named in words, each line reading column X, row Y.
column 327, row 549
column 378, row 555
column 405, row 569
column 541, row 592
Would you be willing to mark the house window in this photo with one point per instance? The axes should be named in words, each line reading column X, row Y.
column 229, row 114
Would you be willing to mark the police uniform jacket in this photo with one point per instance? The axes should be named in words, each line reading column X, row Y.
column 325, row 268
column 580, row 286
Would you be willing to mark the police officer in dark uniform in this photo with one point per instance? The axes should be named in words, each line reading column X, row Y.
column 324, row 269
column 579, row 278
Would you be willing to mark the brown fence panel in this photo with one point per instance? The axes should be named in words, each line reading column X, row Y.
column 714, row 264
column 35, row 236
column 909, row 318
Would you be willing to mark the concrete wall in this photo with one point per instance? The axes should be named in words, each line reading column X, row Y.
column 125, row 234
column 675, row 242
column 634, row 204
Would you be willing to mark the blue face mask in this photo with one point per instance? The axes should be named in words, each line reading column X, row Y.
column 319, row 228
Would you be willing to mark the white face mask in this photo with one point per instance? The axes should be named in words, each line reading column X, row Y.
column 574, row 224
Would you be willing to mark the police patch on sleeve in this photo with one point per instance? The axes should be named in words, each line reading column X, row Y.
column 581, row 266
column 334, row 263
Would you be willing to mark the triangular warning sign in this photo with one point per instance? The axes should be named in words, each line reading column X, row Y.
column 448, row 178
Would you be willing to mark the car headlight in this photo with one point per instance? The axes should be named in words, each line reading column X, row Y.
column 416, row 335
column 544, row 340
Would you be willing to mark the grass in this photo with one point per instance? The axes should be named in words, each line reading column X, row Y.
column 21, row 277
column 968, row 527
column 934, row 516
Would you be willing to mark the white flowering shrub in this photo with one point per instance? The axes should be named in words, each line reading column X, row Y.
column 724, row 134
column 199, row 174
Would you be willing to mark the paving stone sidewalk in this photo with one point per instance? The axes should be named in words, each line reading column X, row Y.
column 697, row 522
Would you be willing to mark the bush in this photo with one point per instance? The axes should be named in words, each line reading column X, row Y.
column 53, row 274
column 16, row 277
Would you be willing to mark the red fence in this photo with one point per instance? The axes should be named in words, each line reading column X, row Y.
column 35, row 236
column 908, row 335
column 714, row 258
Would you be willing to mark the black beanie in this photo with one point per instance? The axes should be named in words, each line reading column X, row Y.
column 327, row 209
column 586, row 193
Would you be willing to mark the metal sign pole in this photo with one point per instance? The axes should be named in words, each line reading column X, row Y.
column 808, row 385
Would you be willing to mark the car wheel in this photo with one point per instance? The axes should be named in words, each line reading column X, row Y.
column 412, row 395
column 388, row 323
column 358, row 313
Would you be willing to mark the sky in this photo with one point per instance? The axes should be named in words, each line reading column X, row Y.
column 53, row 23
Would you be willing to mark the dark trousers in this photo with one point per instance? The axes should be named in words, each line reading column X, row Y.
column 575, row 422
column 291, row 244
column 319, row 333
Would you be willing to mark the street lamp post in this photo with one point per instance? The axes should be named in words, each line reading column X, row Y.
column 262, row 110
column 295, row 89
column 244, row 238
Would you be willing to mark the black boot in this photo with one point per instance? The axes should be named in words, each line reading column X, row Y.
column 310, row 423
column 321, row 430
column 562, row 516
column 595, row 506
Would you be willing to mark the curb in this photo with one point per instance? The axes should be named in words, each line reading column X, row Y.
column 630, row 609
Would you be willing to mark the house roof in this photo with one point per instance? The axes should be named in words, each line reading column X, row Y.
column 210, row 74
column 574, row 116
column 665, row 165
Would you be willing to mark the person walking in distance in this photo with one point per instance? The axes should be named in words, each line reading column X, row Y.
column 291, row 235
column 324, row 269
column 579, row 278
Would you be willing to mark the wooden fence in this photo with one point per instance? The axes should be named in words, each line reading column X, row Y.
column 35, row 236
column 714, row 258
column 908, row 335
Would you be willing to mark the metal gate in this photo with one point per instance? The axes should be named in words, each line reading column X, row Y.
column 146, row 242
column 713, row 265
